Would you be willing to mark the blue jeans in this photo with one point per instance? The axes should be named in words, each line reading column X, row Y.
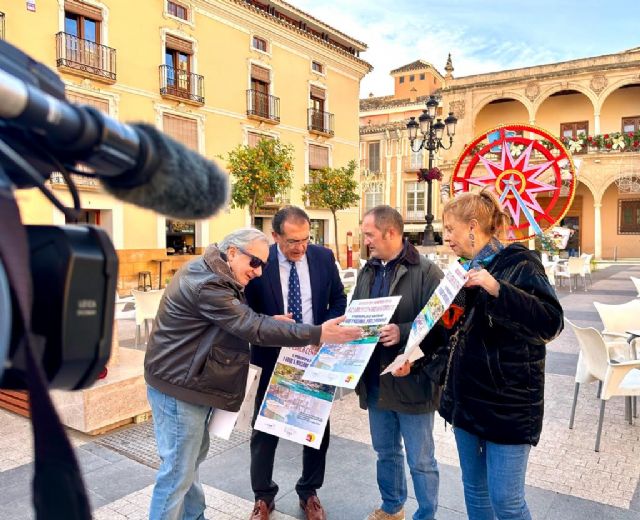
column 493, row 477
column 387, row 429
column 182, row 436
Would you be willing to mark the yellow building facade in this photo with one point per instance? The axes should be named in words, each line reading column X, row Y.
column 213, row 75
column 584, row 101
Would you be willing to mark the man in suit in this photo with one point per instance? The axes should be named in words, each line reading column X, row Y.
column 301, row 280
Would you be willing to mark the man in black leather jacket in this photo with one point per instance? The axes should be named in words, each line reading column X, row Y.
column 197, row 360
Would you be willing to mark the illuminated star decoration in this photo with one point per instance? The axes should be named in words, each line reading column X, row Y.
column 516, row 182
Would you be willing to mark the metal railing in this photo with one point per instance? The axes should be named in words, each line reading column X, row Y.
column 263, row 105
column 81, row 181
column 412, row 163
column 320, row 121
column 86, row 56
column 413, row 215
column 280, row 199
column 182, row 84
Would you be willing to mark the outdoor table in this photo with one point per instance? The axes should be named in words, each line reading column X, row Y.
column 160, row 261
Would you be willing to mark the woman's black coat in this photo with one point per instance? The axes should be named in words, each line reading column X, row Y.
column 495, row 385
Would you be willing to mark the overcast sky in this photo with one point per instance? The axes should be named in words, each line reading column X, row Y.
column 481, row 35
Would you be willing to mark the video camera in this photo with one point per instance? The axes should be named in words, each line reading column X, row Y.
column 74, row 268
column 58, row 283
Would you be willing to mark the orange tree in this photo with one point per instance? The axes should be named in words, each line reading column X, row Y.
column 334, row 189
column 259, row 173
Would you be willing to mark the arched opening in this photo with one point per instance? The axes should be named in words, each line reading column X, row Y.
column 620, row 224
column 620, row 111
column 566, row 113
column 581, row 219
column 501, row 111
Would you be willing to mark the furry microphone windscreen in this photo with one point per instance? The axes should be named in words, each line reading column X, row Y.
column 183, row 184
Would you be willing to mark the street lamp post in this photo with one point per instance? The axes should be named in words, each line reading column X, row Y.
column 432, row 131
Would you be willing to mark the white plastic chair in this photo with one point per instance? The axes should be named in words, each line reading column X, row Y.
column 147, row 303
column 617, row 320
column 594, row 365
column 636, row 282
column 348, row 277
column 586, row 259
column 121, row 313
column 550, row 271
column 573, row 269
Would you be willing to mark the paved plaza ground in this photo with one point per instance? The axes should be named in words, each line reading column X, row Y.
column 566, row 479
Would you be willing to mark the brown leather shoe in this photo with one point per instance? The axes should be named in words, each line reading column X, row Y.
column 313, row 509
column 261, row 510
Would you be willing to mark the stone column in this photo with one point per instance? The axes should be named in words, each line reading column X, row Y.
column 597, row 230
column 596, row 123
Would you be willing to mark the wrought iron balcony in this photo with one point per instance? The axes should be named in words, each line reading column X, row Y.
column 411, row 215
column 320, row 122
column 82, row 182
column 85, row 57
column 412, row 163
column 181, row 84
column 263, row 106
column 280, row 199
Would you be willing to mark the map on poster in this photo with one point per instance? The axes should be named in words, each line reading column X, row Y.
column 292, row 408
column 343, row 365
column 453, row 280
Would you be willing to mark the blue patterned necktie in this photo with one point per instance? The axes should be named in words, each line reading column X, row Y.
column 294, row 300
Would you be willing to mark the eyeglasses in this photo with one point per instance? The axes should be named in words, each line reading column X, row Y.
column 254, row 261
column 301, row 242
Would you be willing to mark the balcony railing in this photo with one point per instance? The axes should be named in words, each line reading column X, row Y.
column 263, row 106
column 181, row 84
column 86, row 56
column 281, row 199
column 411, row 163
column 81, row 181
column 320, row 122
column 1, row 25
column 414, row 215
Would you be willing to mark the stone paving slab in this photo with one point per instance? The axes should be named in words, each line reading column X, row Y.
column 220, row 506
column 566, row 479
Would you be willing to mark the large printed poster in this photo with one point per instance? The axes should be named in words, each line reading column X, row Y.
column 292, row 408
column 453, row 280
column 343, row 365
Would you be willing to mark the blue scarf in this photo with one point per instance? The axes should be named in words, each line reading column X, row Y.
column 484, row 256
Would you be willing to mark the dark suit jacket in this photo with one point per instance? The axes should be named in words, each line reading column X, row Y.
column 264, row 295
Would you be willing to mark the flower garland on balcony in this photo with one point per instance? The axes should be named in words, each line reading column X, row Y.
column 618, row 141
column 426, row 175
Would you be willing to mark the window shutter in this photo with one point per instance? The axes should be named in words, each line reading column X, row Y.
column 259, row 73
column 100, row 104
column 317, row 92
column 318, row 157
column 178, row 44
column 253, row 138
column 182, row 129
column 82, row 9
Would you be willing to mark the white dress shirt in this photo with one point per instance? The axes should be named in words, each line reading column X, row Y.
column 305, row 284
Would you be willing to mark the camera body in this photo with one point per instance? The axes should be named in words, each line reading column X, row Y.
column 73, row 268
